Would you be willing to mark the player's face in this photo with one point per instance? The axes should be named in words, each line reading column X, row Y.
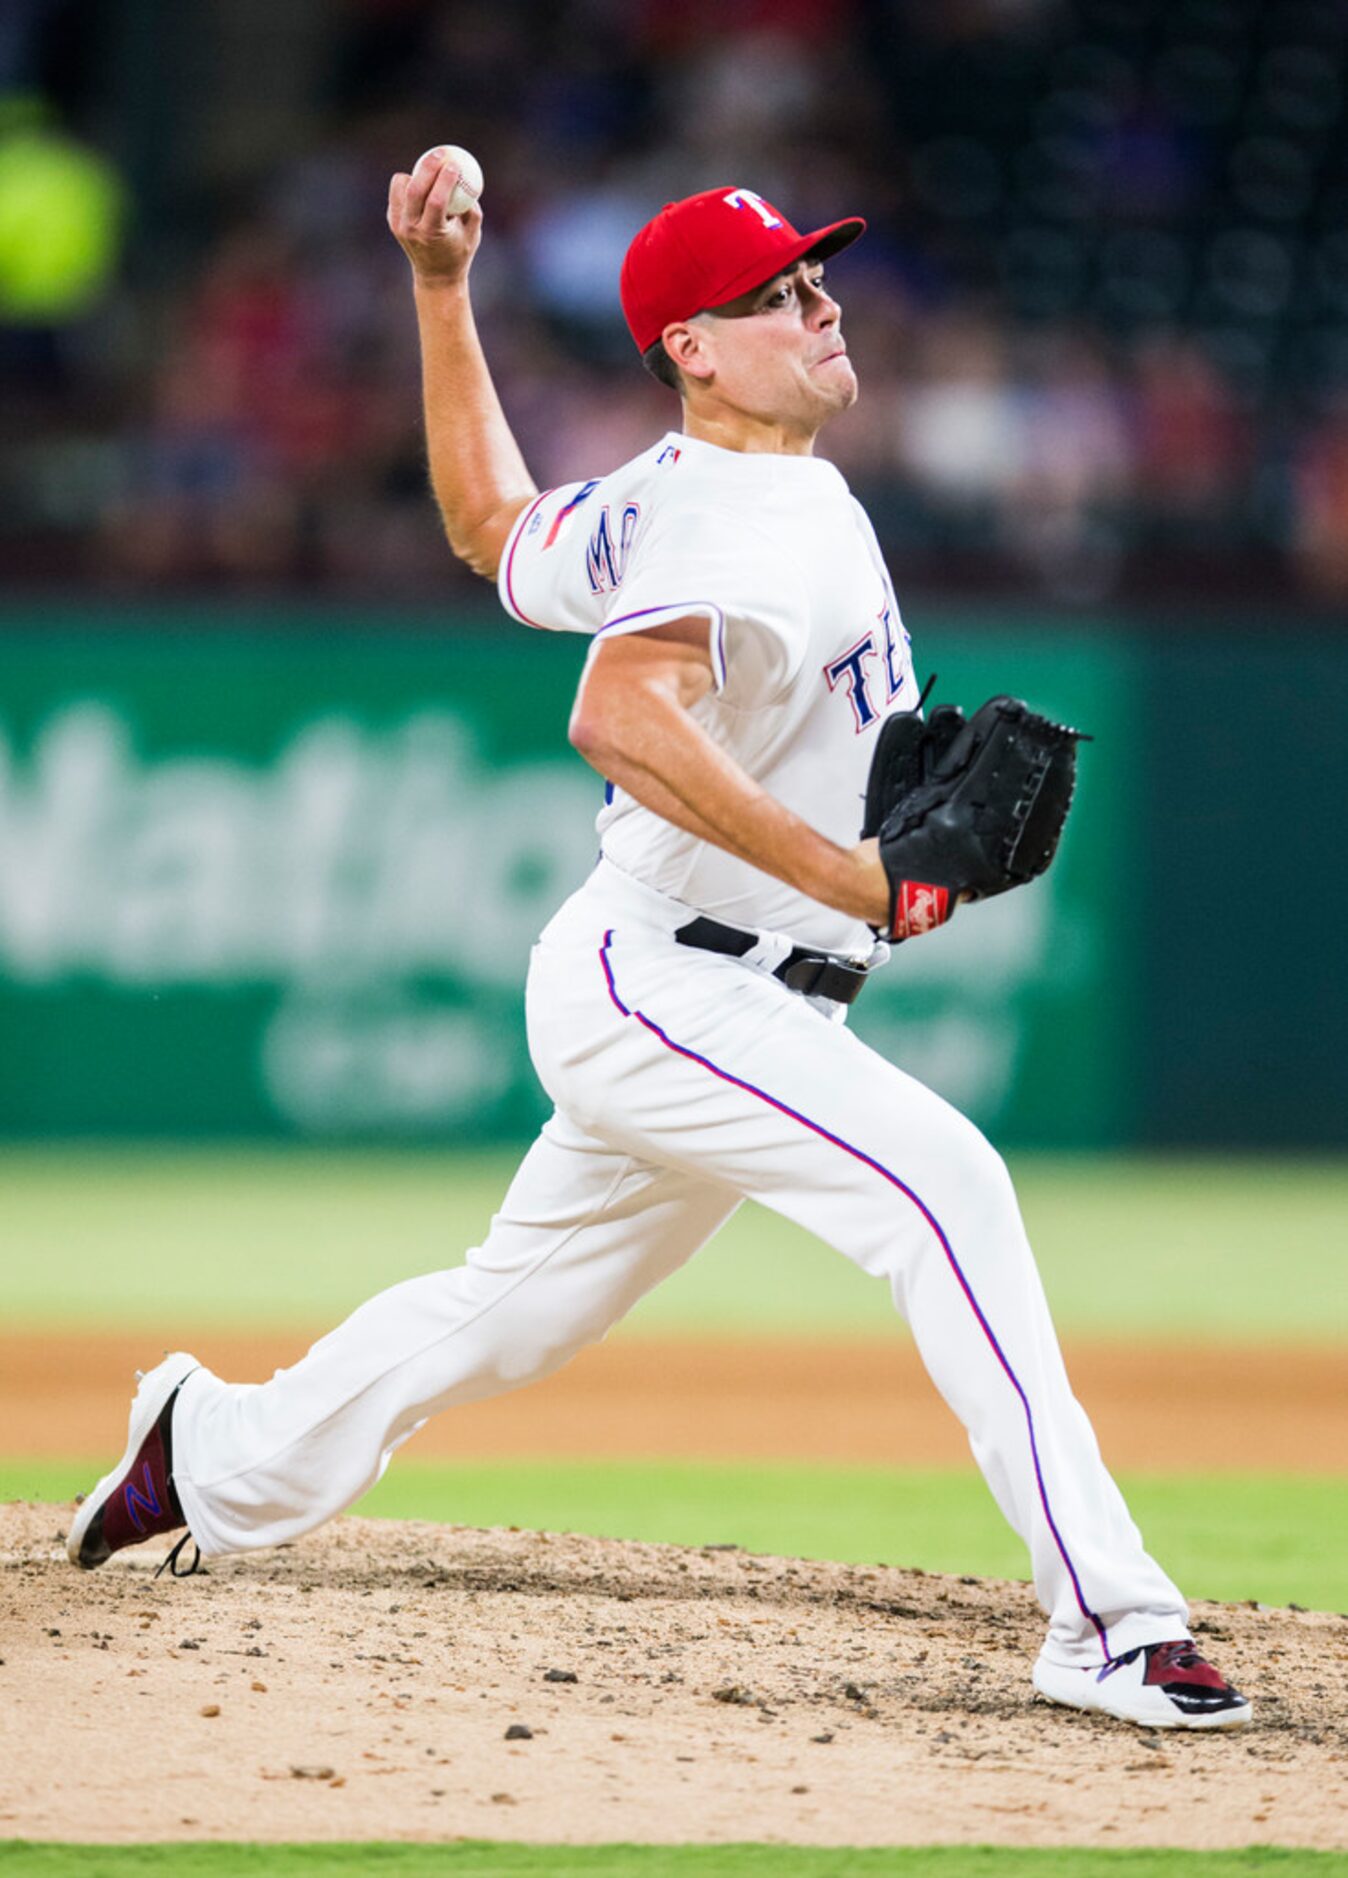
column 777, row 354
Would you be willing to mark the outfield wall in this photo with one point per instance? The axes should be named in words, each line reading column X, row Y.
column 267, row 876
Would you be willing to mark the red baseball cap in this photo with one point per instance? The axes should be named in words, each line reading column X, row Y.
column 707, row 250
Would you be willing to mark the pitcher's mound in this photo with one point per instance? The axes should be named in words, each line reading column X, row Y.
column 403, row 1681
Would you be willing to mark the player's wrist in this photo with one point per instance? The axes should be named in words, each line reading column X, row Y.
column 440, row 289
column 440, row 286
column 868, row 883
column 852, row 880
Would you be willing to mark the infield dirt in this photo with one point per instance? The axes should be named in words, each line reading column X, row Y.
column 1155, row 1407
column 406, row 1681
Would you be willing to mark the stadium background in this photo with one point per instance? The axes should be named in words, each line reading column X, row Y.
column 284, row 798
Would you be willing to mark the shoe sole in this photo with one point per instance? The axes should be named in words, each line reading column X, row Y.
column 1151, row 1708
column 156, row 1387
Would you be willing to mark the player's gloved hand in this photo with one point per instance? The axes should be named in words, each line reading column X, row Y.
column 965, row 809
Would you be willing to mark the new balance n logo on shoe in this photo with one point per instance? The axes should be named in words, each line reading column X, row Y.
column 142, row 1506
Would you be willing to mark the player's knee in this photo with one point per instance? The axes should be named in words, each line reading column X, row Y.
column 979, row 1172
column 537, row 1342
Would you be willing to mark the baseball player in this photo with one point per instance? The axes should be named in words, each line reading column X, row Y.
column 686, row 1005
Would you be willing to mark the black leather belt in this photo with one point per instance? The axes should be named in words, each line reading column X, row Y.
column 814, row 974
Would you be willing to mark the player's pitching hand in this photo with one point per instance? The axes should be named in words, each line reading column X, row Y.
column 440, row 245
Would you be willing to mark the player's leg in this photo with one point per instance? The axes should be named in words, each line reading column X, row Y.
column 582, row 1233
column 721, row 1070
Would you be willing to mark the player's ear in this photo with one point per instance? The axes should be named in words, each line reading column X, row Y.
column 686, row 344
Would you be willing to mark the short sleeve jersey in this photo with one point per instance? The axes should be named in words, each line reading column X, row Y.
column 808, row 651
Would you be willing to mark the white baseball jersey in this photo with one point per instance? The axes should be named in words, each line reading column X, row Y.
column 808, row 651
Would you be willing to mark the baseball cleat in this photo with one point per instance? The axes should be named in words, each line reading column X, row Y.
column 136, row 1500
column 1159, row 1685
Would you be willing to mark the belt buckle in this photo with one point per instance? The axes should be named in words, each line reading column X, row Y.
column 823, row 976
column 804, row 974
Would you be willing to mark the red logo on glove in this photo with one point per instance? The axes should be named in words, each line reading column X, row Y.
column 919, row 908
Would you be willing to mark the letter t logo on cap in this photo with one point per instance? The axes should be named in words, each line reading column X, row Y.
column 738, row 198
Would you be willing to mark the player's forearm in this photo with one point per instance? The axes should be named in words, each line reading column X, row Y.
column 654, row 794
column 647, row 744
column 477, row 472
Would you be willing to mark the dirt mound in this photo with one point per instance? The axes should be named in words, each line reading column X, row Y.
column 409, row 1681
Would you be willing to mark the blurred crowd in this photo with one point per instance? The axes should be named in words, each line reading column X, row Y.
column 1100, row 316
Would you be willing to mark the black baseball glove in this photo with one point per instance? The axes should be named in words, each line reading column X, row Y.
column 966, row 808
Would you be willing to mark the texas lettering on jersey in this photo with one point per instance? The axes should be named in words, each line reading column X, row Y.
column 872, row 672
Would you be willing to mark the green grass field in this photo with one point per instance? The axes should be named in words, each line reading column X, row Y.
column 1224, row 1250
column 479, row 1860
column 1278, row 1540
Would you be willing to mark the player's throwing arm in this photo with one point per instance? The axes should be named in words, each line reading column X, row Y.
column 479, row 476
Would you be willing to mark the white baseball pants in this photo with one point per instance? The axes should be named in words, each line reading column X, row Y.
column 683, row 1081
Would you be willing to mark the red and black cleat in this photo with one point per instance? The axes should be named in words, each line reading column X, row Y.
column 137, row 1500
column 1157, row 1685
column 1189, row 1680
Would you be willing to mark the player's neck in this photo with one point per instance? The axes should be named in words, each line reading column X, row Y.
column 752, row 436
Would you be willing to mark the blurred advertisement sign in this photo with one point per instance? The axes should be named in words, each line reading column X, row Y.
column 282, row 885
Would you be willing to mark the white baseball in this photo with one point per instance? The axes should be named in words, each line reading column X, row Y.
column 468, row 188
